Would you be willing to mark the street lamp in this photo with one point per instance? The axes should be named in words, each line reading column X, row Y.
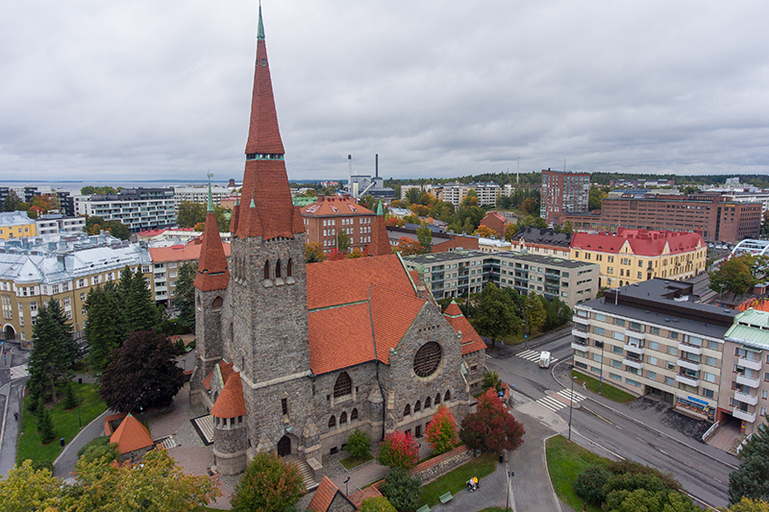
column 571, row 404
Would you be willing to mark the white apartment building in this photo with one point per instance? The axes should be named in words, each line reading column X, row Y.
column 52, row 223
column 199, row 194
column 455, row 193
column 138, row 208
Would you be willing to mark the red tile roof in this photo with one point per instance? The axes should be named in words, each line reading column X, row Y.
column 495, row 221
column 392, row 314
column 188, row 252
column 263, row 134
column 332, row 205
column 230, row 403
column 471, row 340
column 213, row 273
column 369, row 492
column 340, row 337
column 641, row 242
column 266, row 208
column 131, row 435
column 323, row 496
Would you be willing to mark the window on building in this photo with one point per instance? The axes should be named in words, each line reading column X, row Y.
column 332, row 422
column 354, row 415
column 266, row 269
column 407, row 410
column 418, row 406
column 428, row 403
column 651, row 360
column 447, row 396
column 343, row 418
column 620, row 322
column 284, row 405
column 437, row 399
column 343, row 385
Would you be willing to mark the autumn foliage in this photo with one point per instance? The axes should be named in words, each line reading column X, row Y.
column 491, row 427
column 486, row 232
column 398, row 450
column 442, row 432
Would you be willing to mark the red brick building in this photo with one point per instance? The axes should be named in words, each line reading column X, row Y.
column 328, row 216
column 495, row 221
column 563, row 193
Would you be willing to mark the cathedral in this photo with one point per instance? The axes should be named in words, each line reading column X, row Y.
column 291, row 358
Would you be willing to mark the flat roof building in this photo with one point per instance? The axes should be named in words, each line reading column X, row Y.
column 563, row 193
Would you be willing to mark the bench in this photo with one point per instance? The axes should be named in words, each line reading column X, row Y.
column 445, row 498
column 423, row 508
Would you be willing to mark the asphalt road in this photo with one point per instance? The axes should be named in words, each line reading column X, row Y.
column 617, row 430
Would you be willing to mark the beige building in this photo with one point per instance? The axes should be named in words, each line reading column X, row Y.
column 16, row 225
column 635, row 255
column 35, row 270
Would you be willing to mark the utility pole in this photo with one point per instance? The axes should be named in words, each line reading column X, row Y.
column 571, row 404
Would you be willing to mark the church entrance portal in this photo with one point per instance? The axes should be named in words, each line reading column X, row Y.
column 284, row 446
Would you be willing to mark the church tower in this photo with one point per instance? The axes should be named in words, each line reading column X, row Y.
column 265, row 322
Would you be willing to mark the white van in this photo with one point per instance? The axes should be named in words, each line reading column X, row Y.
column 544, row 359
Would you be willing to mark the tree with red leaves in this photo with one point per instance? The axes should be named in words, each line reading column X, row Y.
column 442, row 431
column 406, row 246
column 491, row 427
column 335, row 255
column 398, row 450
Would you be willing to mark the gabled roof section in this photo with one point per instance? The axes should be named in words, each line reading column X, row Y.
column 471, row 340
column 640, row 241
column 131, row 435
column 392, row 314
column 340, row 338
column 230, row 403
column 326, row 493
column 334, row 206
column 213, row 273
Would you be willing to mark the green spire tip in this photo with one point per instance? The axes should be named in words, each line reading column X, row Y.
column 260, row 30
column 379, row 210
column 210, row 198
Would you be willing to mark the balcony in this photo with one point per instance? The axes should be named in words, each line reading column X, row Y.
column 747, row 381
column 753, row 364
column 745, row 398
column 634, row 348
column 689, row 381
column 690, row 365
column 575, row 345
column 633, row 363
column 635, row 334
column 744, row 415
column 579, row 332
column 692, row 349
column 580, row 320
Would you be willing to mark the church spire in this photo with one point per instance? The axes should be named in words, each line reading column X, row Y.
column 380, row 242
column 213, row 273
column 265, row 180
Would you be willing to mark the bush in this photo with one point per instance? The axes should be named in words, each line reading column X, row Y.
column 44, row 424
column 358, row 444
column 589, row 484
column 634, row 481
column 378, row 504
column 398, row 450
column 38, row 465
column 70, row 400
column 492, row 380
column 403, row 491
column 628, row 466
column 269, row 483
column 98, row 449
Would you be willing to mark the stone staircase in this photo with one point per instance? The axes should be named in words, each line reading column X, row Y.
column 307, row 475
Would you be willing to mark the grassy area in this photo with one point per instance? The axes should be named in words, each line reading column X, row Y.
column 565, row 461
column 350, row 462
column 607, row 390
column 65, row 424
column 455, row 481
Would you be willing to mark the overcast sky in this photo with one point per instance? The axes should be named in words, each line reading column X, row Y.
column 117, row 90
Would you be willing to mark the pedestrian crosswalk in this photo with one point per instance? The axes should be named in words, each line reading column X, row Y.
column 533, row 356
column 554, row 404
column 20, row 371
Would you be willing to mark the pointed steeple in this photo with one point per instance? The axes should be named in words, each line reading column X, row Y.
column 235, row 216
column 213, row 273
column 265, row 179
column 380, row 242
column 210, row 197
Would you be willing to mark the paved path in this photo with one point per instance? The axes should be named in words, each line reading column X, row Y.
column 64, row 464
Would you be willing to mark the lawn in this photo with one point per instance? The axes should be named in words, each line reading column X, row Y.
column 456, row 480
column 565, row 461
column 607, row 390
column 65, row 424
column 350, row 462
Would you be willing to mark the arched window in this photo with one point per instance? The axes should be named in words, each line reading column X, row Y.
column 290, row 268
column 448, row 396
column 343, row 418
column 217, row 303
column 407, row 410
column 343, row 386
column 332, row 422
column 437, row 399
column 354, row 415
column 267, row 269
column 428, row 404
column 278, row 272
column 418, row 406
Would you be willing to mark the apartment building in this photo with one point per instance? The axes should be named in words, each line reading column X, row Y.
column 199, row 194
column 563, row 193
column 715, row 217
column 54, row 222
column 33, row 270
column 653, row 338
column 453, row 274
column 16, row 225
column 138, row 208
column 745, row 379
column 328, row 216
column 634, row 255
column 542, row 241
column 455, row 193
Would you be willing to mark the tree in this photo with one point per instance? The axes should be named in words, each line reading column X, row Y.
column 157, row 484
column 12, row 202
column 184, row 294
column 222, row 216
column 357, row 253
column 733, row 276
column 44, row 423
column 491, row 427
column 530, row 206
column 407, row 247
column 494, row 315
column 358, row 444
column 419, row 210
column 748, row 505
column 650, row 501
column 486, row 232
column 190, row 214
column 568, row 228
column 382, row 504
column 471, row 199
column 491, row 380
column 398, row 450
column 401, row 490
column 595, row 198
column 140, row 310
column 70, row 399
column 751, row 478
column 540, row 223
column 393, row 222
column 269, row 484
column 105, row 328
column 90, row 189
column 413, row 195
column 99, row 449
column 26, row 489
column 313, row 252
column 142, row 373
column 54, row 351
column 425, row 237
column 336, row 255
column 510, row 231
column 442, row 432
column 343, row 241
column 95, row 225
column 536, row 314
column 589, row 484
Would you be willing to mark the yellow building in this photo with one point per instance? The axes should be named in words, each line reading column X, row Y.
column 634, row 255
column 34, row 270
column 16, row 225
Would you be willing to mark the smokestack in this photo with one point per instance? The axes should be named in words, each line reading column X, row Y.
column 376, row 165
column 349, row 168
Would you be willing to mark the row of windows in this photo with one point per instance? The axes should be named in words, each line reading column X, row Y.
column 428, row 403
column 342, row 418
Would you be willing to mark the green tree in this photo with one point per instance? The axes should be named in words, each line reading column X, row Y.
column 494, row 315
column 70, row 399
column 401, row 490
column 540, row 223
column 733, row 276
column 751, row 478
column 491, row 427
column 590, row 483
column 142, row 373
column 141, row 314
column 25, row 489
column 358, row 444
column 12, row 202
column 413, row 195
column 222, row 216
column 105, row 329
column 595, row 198
column 184, row 295
column 510, row 231
column 54, row 351
column 44, row 423
column 530, row 206
column 190, row 214
column 491, row 380
column 99, row 449
column 748, row 505
column 313, row 252
column 568, row 228
column 425, row 237
column 536, row 313
column 471, row 199
column 381, row 504
column 269, row 484
column 343, row 241
column 650, row 501
column 442, row 432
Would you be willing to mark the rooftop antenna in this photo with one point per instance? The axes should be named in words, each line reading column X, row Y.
column 518, row 172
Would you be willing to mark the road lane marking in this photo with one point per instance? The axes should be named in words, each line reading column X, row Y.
column 532, row 356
